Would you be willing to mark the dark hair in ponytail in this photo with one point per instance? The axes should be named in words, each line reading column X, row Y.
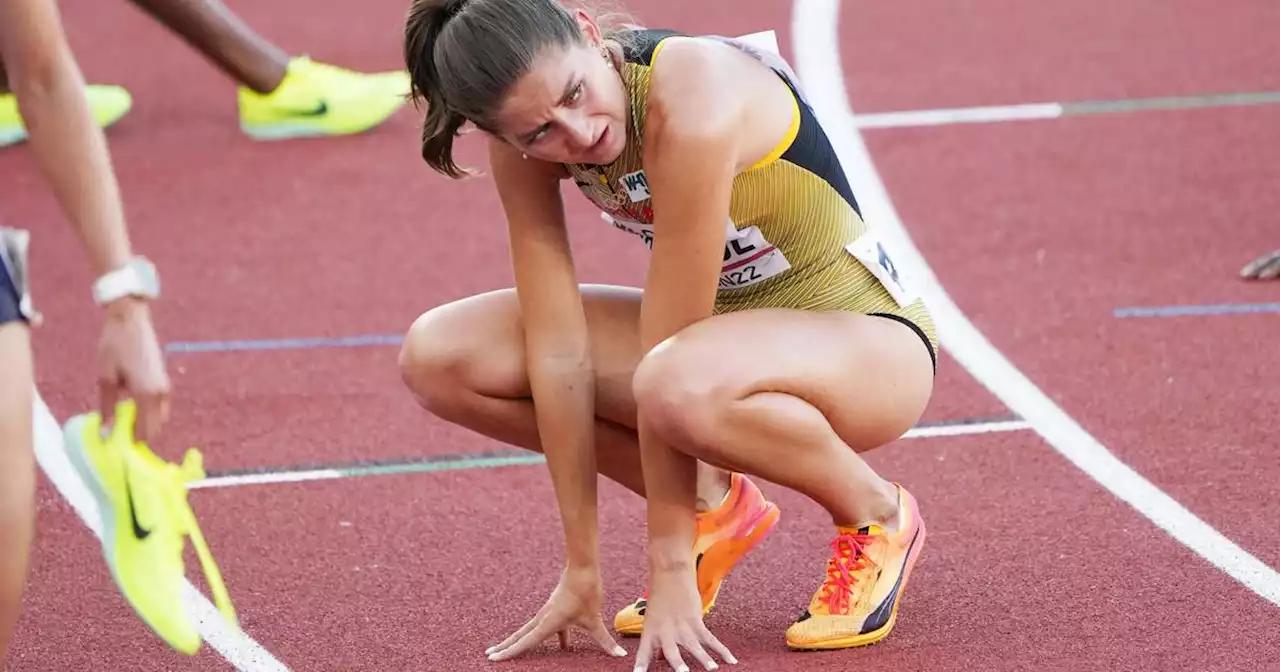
column 464, row 55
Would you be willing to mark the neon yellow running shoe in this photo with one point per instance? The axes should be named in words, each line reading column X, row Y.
column 316, row 99
column 108, row 104
column 142, row 501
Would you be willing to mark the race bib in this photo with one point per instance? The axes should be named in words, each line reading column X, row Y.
column 873, row 252
column 748, row 256
column 641, row 230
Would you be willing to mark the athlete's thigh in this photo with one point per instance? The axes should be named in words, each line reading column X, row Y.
column 16, row 384
column 485, row 334
column 870, row 376
column 16, row 376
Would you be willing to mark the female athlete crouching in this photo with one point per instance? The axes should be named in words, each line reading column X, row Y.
column 773, row 336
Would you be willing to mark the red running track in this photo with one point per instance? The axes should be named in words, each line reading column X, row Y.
column 1030, row 564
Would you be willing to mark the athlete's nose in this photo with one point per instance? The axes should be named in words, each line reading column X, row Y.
column 581, row 132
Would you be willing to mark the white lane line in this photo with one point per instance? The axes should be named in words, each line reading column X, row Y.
column 267, row 478
column 358, row 471
column 237, row 647
column 961, row 429
column 818, row 62
column 1025, row 111
column 958, row 115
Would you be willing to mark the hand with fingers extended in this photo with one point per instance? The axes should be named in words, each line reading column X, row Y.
column 673, row 620
column 576, row 602
column 131, row 364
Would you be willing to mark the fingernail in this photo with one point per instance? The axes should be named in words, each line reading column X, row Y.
column 619, row 651
column 493, row 656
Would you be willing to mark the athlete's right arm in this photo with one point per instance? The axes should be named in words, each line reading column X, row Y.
column 71, row 153
column 68, row 146
column 557, row 347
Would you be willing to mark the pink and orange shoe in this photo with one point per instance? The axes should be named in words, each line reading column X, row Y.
column 725, row 535
column 857, row 603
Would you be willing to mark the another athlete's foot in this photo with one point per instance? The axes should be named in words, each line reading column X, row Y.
column 316, row 99
column 857, row 603
column 107, row 104
column 725, row 535
column 1266, row 267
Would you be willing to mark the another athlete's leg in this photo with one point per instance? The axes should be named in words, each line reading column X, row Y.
column 17, row 471
column 465, row 363
column 281, row 96
column 216, row 31
column 793, row 397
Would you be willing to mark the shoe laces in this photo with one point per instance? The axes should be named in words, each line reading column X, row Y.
column 849, row 558
column 170, row 483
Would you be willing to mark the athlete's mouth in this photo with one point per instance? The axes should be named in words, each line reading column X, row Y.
column 599, row 144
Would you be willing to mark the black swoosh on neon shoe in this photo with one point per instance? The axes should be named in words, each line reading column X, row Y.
column 139, row 531
column 318, row 111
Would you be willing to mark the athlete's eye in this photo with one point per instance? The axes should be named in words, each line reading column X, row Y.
column 536, row 135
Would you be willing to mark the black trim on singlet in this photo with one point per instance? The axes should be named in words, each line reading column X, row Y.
column 933, row 355
column 638, row 45
column 812, row 151
column 811, row 148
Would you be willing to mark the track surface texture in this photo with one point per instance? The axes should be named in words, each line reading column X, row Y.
column 1041, row 231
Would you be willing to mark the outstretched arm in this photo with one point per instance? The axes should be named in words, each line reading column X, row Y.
column 69, row 146
column 562, row 380
column 72, row 155
column 556, row 342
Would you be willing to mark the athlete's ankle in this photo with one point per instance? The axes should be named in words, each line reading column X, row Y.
column 878, row 507
column 713, row 487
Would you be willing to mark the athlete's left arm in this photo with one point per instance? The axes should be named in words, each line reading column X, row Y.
column 701, row 130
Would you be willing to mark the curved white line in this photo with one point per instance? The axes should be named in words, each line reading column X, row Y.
column 818, row 63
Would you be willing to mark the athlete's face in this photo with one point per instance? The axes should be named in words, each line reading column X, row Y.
column 570, row 107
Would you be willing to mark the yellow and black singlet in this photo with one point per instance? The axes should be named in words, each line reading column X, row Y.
column 795, row 236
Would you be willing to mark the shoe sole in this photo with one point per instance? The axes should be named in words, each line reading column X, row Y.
column 82, row 464
column 724, row 556
column 877, row 635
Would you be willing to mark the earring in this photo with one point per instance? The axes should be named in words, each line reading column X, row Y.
column 524, row 156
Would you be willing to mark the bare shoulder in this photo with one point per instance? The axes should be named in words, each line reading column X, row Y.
column 708, row 90
column 692, row 84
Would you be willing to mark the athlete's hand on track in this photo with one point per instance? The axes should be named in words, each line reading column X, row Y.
column 673, row 620
column 577, row 601
column 130, row 362
column 1266, row 267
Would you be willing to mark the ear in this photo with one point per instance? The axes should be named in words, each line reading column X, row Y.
column 589, row 28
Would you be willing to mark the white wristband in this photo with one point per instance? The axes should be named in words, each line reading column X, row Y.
column 136, row 278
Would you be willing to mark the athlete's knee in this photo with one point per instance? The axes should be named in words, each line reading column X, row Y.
column 433, row 360
column 680, row 390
